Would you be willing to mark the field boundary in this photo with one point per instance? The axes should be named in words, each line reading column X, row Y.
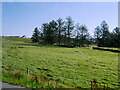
column 98, row 48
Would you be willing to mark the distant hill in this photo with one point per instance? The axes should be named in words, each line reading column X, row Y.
column 15, row 38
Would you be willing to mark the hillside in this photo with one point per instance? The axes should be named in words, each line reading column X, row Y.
column 74, row 69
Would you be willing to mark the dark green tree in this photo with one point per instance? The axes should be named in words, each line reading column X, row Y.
column 60, row 28
column 102, row 35
column 69, row 28
column 105, row 34
column 45, row 30
column 36, row 36
column 49, row 32
column 83, row 35
column 64, row 35
column 98, row 35
column 77, row 34
column 53, row 31
column 115, row 41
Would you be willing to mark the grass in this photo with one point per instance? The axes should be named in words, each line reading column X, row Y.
column 30, row 81
column 74, row 69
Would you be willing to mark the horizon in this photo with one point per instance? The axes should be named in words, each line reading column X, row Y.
column 25, row 16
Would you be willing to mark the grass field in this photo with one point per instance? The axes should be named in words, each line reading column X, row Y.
column 74, row 69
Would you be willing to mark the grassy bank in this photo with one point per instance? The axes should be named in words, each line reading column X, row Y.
column 74, row 69
column 30, row 81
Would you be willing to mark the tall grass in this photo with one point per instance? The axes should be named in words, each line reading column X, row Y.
column 30, row 81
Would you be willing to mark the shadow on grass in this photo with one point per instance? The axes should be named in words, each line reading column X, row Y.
column 35, row 44
column 43, row 45
column 117, row 51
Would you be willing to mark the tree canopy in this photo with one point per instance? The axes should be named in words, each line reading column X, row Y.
column 67, row 33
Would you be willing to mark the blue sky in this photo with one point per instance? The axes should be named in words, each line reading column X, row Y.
column 20, row 18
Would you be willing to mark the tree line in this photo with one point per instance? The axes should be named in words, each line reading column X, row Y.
column 65, row 33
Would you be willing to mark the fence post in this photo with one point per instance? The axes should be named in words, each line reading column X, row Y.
column 104, row 86
column 10, row 68
column 27, row 71
column 107, row 86
column 57, row 80
column 91, row 84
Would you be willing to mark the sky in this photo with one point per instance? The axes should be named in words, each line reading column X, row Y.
column 21, row 18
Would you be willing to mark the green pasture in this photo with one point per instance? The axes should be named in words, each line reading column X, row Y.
column 74, row 69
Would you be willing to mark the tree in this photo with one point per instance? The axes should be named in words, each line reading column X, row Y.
column 45, row 30
column 49, row 32
column 77, row 34
column 60, row 27
column 36, row 36
column 84, row 35
column 102, row 34
column 69, row 28
column 64, row 35
column 116, row 37
column 52, row 31
column 97, row 35
column 105, row 34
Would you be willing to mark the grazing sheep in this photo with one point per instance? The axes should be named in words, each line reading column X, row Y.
column 76, row 51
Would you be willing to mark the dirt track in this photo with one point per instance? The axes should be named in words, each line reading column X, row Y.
column 11, row 86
